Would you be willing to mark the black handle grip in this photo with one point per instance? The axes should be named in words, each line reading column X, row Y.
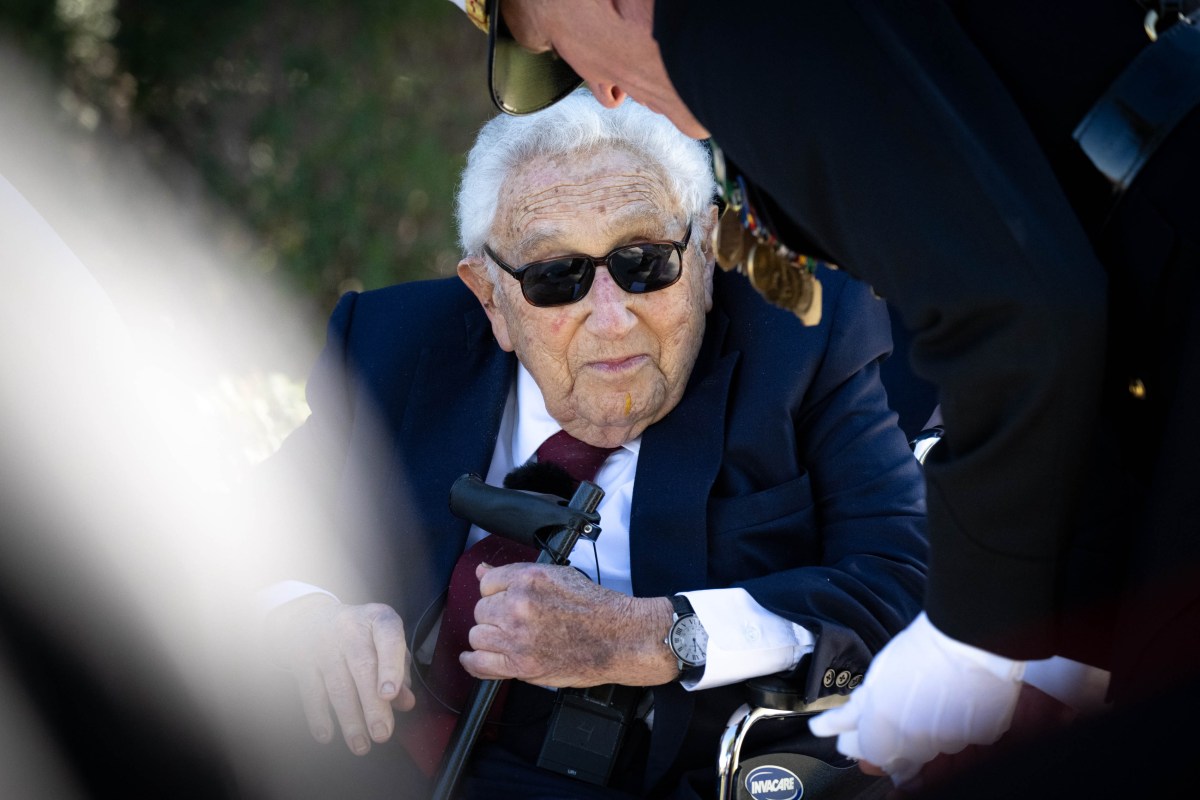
column 523, row 516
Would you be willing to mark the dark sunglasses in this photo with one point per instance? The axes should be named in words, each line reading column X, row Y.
column 637, row 268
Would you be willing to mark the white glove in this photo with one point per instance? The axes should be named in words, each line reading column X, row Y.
column 924, row 694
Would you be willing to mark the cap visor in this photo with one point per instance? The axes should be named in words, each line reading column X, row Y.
column 522, row 81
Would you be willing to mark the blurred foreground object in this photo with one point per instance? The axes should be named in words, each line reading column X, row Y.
column 127, row 576
column 335, row 132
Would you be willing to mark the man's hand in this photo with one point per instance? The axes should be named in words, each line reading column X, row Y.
column 352, row 658
column 551, row 626
column 924, row 694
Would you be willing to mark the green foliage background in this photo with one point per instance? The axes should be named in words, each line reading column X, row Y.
column 335, row 130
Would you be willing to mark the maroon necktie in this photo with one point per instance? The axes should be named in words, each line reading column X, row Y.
column 429, row 733
column 581, row 460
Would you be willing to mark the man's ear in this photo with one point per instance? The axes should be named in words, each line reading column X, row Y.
column 473, row 272
column 710, row 257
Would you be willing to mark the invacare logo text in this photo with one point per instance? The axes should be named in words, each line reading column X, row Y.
column 773, row 783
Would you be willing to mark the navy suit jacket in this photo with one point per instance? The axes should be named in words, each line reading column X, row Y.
column 781, row 471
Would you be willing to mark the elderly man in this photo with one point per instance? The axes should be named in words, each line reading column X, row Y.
column 1025, row 195
column 755, row 475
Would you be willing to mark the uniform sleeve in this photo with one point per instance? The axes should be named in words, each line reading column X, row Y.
column 897, row 152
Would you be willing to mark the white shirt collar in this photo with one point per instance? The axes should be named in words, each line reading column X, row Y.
column 534, row 423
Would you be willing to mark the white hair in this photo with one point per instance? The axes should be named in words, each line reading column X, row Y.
column 576, row 123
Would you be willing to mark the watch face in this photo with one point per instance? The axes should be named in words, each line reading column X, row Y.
column 689, row 640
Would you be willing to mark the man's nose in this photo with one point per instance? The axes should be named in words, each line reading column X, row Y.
column 610, row 314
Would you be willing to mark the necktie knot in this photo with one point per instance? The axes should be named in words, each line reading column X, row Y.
column 580, row 460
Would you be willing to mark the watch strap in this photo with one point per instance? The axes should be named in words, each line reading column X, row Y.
column 682, row 605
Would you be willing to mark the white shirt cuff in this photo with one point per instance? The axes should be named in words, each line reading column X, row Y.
column 1079, row 685
column 275, row 595
column 744, row 639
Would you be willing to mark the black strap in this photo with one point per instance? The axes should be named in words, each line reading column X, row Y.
column 1146, row 101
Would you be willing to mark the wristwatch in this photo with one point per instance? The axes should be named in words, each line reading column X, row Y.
column 687, row 639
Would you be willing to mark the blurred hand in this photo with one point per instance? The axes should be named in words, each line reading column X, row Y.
column 551, row 626
column 924, row 694
column 1036, row 714
column 351, row 658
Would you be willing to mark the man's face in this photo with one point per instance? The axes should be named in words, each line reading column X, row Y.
column 610, row 45
column 613, row 362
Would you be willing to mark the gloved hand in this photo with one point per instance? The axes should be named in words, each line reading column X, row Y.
column 924, row 694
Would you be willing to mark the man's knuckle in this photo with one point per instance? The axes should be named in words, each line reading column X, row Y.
column 381, row 613
column 337, row 686
column 361, row 664
column 523, row 606
column 328, row 660
column 539, row 575
column 313, row 694
column 347, row 624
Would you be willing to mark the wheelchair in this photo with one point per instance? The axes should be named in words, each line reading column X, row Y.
column 821, row 773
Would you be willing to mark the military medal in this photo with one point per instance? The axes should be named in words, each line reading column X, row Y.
column 729, row 244
column 784, row 278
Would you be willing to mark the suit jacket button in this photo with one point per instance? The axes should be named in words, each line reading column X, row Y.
column 856, row 680
column 843, row 678
column 827, row 680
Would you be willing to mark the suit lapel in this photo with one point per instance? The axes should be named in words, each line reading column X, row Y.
column 679, row 460
column 668, row 530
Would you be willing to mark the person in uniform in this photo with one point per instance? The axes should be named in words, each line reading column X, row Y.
column 1020, row 182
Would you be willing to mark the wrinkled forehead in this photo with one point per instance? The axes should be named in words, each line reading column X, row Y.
column 567, row 201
